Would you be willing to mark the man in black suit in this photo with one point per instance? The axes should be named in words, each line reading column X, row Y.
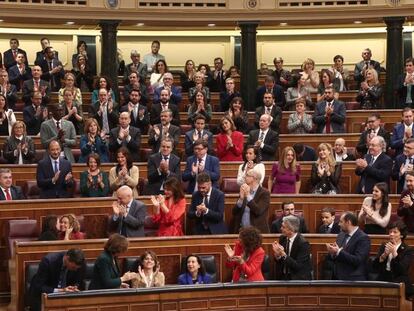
column 350, row 252
column 328, row 221
column 125, row 136
column 138, row 113
column 341, row 153
column 198, row 132
column 8, row 191
column 52, row 69
column 292, row 252
column 218, row 83
column 164, row 104
column 135, row 66
column 405, row 84
column 373, row 129
column 128, row 214
column 265, row 140
column 162, row 165
column 135, row 83
column 228, row 95
column 269, row 107
column 271, row 87
column 10, row 55
column 38, row 85
column 164, row 129
column 330, row 114
column 41, row 55
column 364, row 64
column 288, row 208
column 207, row 208
column 375, row 167
column 54, row 174
column 7, row 89
column 61, row 272
column 304, row 152
column 19, row 72
column 403, row 164
column 104, row 111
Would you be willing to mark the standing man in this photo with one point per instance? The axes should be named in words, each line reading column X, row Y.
column 350, row 252
column 406, row 205
column 52, row 69
column 271, row 87
column 218, row 83
column 162, row 130
column 265, row 140
column 406, row 84
column 8, row 191
column 36, row 85
column 374, row 128
column 269, row 107
column 19, row 72
column 164, row 104
column 403, row 164
column 228, row 94
column 138, row 113
column 207, row 208
column 128, row 214
column 364, row 64
column 135, row 66
column 135, row 83
column 104, row 111
column 198, row 132
column 7, row 89
column 10, row 55
column 151, row 58
column 35, row 114
column 175, row 92
column 402, row 131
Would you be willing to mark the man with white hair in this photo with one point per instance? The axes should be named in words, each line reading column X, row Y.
column 128, row 214
column 341, row 152
column 135, row 66
column 252, row 206
column 175, row 92
column 375, row 167
column 265, row 140
column 292, row 252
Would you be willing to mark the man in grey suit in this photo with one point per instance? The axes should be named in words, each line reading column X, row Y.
column 364, row 64
column 162, row 165
column 163, row 129
column 129, row 215
column 61, row 130
column 135, row 66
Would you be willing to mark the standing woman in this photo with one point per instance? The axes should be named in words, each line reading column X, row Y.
column 93, row 141
column 124, row 173
column 156, row 79
column 340, row 73
column 298, row 90
column 328, row 79
column 83, row 74
column 187, row 79
column 195, row 272
column 170, row 209
column 376, row 210
column 7, row 117
column 69, row 80
column 370, row 92
column 19, row 148
column 73, row 111
column 103, row 82
column 239, row 116
column 326, row 172
column 311, row 75
column 251, row 162
column 199, row 106
column 285, row 176
column 300, row 122
column 229, row 141
column 148, row 274
column 247, row 256
column 93, row 181
column 200, row 85
column 106, row 271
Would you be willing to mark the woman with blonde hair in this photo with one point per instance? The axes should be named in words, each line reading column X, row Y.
column 312, row 76
column 69, row 80
column 370, row 92
column 93, row 141
column 326, row 172
column 19, row 148
column 70, row 228
column 285, row 176
column 200, row 86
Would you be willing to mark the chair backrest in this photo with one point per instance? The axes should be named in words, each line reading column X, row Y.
column 30, row 271
column 31, row 190
column 150, row 227
column 229, row 185
column 88, row 274
column 266, row 268
column 209, row 264
column 20, row 230
column 130, row 264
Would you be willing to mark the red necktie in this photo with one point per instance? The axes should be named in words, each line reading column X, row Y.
column 37, row 85
column 14, row 54
column 8, row 196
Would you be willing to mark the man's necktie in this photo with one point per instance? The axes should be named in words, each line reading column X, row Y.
column 14, row 54
column 58, row 125
column 327, row 229
column 164, row 107
column 328, row 121
column 261, row 136
column 346, row 240
column 165, row 158
column 199, row 134
column 135, row 112
column 268, row 110
column 56, row 168
column 205, row 201
column 8, row 195
column 371, row 161
column 37, row 86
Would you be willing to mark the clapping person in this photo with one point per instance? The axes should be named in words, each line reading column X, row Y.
column 375, row 211
column 187, row 78
column 169, row 209
column 124, row 173
column 164, row 130
column 227, row 96
column 102, row 82
column 138, row 113
column 156, row 78
column 298, row 90
column 7, row 117
column 7, row 89
column 19, row 148
column 104, row 111
column 93, row 141
column 328, row 79
column 229, row 141
column 195, row 272
column 35, row 114
column 199, row 106
column 93, row 181
column 247, row 256
column 83, row 74
column 300, row 122
column 239, row 116
column 198, row 132
column 73, row 111
column 69, row 80
column 340, row 73
column 251, row 162
column 285, row 176
column 70, row 228
column 405, row 84
column 311, row 75
column 148, row 273
column 200, row 80
column 370, row 92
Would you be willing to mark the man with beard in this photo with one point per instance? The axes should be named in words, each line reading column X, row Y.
column 163, row 105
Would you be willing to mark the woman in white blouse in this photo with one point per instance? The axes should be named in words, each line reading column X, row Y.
column 252, row 162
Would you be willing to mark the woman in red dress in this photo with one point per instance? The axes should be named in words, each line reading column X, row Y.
column 229, row 141
column 169, row 209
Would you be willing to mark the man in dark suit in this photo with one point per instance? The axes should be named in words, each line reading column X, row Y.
column 8, row 191
column 288, row 208
column 164, row 129
column 54, row 174
column 403, row 164
column 330, row 114
column 265, row 140
column 125, row 136
column 329, row 225
column 162, row 165
column 104, row 111
column 61, row 272
column 406, row 204
column 252, row 206
column 271, row 87
column 405, row 84
column 19, row 72
column 41, row 55
column 207, row 208
column 164, row 104
column 128, row 214
column 175, row 92
column 228, row 95
column 402, row 131
column 7, row 89
column 135, row 83
column 52, row 69
column 364, row 64
column 135, row 66
column 373, row 129
column 38, row 85
column 292, row 252
column 198, row 132
column 269, row 107
column 375, row 167
column 350, row 252
column 138, row 113
column 9, row 59
column 304, row 152
column 341, row 152
column 201, row 162
column 218, row 82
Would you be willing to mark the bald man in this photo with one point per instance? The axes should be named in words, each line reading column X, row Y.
column 38, row 85
column 128, row 214
column 341, row 153
column 125, row 135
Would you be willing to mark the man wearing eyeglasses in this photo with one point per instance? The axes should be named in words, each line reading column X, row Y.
column 364, row 64
column 373, row 128
column 175, row 92
column 403, row 164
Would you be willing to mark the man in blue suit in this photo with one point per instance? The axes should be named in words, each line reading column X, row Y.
column 350, row 252
column 403, row 163
column 201, row 162
column 207, row 208
column 175, row 92
column 402, row 131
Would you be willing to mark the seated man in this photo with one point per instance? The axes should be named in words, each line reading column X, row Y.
column 402, row 131
column 164, row 129
column 373, row 129
column 304, row 152
column 198, row 132
column 252, row 206
column 201, row 162
column 164, row 104
column 288, row 208
column 175, row 92
column 341, row 152
column 19, row 72
column 138, row 113
column 128, row 214
column 54, row 174
column 292, row 252
column 162, row 165
column 35, row 114
column 61, row 272
column 8, row 191
column 207, row 208
column 265, row 140
column 403, row 163
column 271, row 87
column 104, row 111
column 269, row 107
column 350, row 252
column 328, row 221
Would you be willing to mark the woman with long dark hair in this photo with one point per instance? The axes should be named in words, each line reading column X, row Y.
column 199, row 106
column 238, row 114
column 94, row 182
column 229, row 141
column 251, row 162
column 124, row 173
